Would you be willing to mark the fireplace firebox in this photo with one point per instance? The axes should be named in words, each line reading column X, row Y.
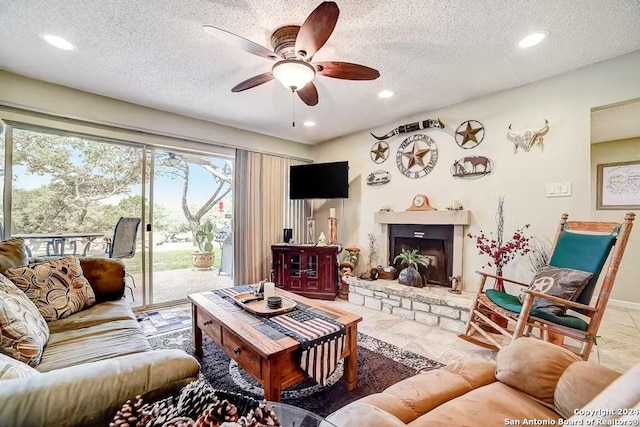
column 433, row 241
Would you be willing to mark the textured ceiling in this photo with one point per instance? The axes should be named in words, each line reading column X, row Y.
column 431, row 53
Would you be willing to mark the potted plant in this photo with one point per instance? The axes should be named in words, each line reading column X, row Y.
column 204, row 237
column 412, row 260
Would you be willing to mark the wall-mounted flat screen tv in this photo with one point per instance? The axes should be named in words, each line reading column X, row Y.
column 319, row 181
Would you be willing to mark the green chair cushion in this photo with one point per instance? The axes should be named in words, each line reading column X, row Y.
column 585, row 252
column 511, row 303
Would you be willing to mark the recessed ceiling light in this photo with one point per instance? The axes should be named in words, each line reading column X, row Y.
column 533, row 39
column 58, row 42
column 385, row 94
column 309, row 123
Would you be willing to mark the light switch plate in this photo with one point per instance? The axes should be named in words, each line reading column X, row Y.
column 559, row 189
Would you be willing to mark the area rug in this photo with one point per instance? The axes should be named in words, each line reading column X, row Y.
column 379, row 366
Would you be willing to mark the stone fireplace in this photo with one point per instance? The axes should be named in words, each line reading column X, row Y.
column 437, row 234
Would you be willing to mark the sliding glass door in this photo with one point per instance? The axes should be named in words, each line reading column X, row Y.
column 66, row 193
column 192, row 242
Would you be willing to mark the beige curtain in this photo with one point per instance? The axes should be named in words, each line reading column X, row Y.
column 261, row 210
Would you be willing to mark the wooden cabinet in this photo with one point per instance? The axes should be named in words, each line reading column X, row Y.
column 310, row 271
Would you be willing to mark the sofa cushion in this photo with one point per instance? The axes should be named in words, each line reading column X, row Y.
column 12, row 254
column 58, row 288
column 100, row 313
column 419, row 394
column 581, row 382
column 93, row 343
column 106, row 277
column 621, row 398
column 533, row 366
column 511, row 303
column 91, row 393
column 360, row 414
column 490, row 405
column 11, row 368
column 23, row 330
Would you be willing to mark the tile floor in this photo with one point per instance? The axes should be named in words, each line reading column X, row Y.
column 618, row 345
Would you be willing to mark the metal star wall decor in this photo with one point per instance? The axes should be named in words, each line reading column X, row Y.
column 469, row 134
column 417, row 156
column 379, row 152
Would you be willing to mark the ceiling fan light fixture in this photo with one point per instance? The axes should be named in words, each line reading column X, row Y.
column 293, row 73
column 385, row 94
column 309, row 123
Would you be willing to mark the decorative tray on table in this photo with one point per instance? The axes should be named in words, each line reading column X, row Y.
column 250, row 302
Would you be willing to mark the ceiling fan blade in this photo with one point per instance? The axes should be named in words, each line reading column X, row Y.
column 253, row 82
column 240, row 42
column 309, row 94
column 346, row 71
column 316, row 29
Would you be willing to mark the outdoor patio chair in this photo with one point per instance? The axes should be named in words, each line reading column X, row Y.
column 578, row 245
column 123, row 243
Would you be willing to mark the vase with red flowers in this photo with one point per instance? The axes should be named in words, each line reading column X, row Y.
column 500, row 251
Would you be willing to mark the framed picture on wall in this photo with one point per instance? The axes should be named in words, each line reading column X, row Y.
column 618, row 185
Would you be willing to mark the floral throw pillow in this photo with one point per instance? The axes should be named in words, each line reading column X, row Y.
column 12, row 368
column 23, row 330
column 565, row 283
column 58, row 288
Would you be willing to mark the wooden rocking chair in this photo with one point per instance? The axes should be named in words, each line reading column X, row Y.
column 578, row 245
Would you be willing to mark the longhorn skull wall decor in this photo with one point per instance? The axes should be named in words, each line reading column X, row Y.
column 412, row 127
column 526, row 139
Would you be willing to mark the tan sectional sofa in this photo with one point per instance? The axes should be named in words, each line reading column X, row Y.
column 531, row 380
column 93, row 362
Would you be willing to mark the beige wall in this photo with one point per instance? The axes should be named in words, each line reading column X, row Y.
column 42, row 97
column 566, row 101
column 626, row 287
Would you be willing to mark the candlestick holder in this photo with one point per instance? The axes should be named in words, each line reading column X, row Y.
column 333, row 231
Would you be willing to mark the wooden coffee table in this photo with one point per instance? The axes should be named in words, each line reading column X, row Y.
column 273, row 363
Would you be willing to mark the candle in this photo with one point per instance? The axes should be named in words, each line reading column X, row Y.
column 269, row 290
column 332, row 212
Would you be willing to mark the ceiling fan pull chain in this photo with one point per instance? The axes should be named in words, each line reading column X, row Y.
column 293, row 113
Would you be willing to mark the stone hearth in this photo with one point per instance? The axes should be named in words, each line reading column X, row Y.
column 432, row 305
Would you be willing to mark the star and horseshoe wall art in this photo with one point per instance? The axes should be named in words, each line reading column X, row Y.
column 417, row 156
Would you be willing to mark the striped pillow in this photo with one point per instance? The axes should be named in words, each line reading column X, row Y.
column 58, row 288
column 23, row 330
column 12, row 368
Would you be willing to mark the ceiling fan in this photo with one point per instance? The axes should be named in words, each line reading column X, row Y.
column 293, row 48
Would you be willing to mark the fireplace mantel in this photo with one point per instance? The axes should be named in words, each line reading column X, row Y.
column 457, row 219
column 424, row 217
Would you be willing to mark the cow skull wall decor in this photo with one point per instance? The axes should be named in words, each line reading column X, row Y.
column 526, row 139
